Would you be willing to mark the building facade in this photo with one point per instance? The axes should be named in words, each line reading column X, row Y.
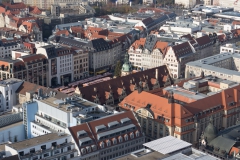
column 50, row 146
column 177, row 56
column 224, row 65
column 109, row 137
column 178, row 111
column 80, row 64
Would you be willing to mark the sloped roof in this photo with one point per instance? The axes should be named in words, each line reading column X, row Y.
column 182, row 49
column 89, row 128
column 33, row 88
column 126, row 81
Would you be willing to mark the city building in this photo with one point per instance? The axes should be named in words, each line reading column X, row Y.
column 109, row 137
column 12, row 128
column 147, row 53
column 53, row 112
column 32, row 68
column 32, row 28
column 167, row 148
column 49, row 146
column 115, row 90
column 229, row 47
column 102, row 55
column 8, row 45
column 182, row 25
column 186, row 3
column 177, row 56
column 8, row 96
column 223, row 144
column 179, row 111
column 55, row 10
column 60, row 63
column 231, row 3
column 224, row 65
column 127, row 67
column 80, row 64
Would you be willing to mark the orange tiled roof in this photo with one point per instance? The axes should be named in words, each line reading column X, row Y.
column 138, row 43
column 30, row 25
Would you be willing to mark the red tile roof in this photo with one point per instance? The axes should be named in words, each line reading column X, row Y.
column 89, row 128
column 128, row 82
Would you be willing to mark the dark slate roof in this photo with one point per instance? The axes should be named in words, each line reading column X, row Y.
column 150, row 42
column 99, row 44
column 50, row 49
column 223, row 143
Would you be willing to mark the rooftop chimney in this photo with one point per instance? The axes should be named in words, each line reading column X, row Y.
column 156, row 74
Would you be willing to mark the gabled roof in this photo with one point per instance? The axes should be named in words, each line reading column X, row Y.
column 204, row 40
column 35, row 10
column 90, row 129
column 182, row 49
column 30, row 25
column 128, row 82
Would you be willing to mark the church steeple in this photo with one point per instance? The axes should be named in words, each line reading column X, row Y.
column 127, row 67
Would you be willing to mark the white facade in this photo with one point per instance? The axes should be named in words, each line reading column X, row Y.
column 6, row 49
column 231, row 48
column 186, row 3
column 52, row 146
column 8, row 96
column 224, row 65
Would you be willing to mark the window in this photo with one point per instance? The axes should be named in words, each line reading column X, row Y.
column 126, row 137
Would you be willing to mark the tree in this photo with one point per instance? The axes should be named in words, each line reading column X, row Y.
column 118, row 69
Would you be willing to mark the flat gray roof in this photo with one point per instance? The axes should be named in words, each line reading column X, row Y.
column 206, row 63
column 32, row 142
column 167, row 145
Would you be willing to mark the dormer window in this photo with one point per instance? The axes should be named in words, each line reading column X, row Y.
column 120, row 139
column 126, row 137
column 114, row 141
column 125, row 120
column 94, row 147
column 102, row 144
column 113, row 124
column 108, row 143
column 137, row 133
column 132, row 135
column 81, row 133
column 88, row 149
column 83, row 150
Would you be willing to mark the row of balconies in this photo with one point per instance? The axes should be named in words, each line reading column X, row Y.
column 55, row 151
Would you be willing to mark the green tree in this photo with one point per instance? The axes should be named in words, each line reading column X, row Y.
column 118, row 69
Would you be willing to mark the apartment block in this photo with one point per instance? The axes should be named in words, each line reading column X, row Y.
column 179, row 111
column 224, row 65
column 50, row 146
column 178, row 55
column 109, row 137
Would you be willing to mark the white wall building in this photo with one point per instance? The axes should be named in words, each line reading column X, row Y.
column 49, row 114
column 232, row 48
column 7, row 46
column 8, row 96
column 60, row 60
column 50, row 146
column 186, row 3
column 224, row 65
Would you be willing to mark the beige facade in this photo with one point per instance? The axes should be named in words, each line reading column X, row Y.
column 33, row 71
column 225, row 66
column 80, row 64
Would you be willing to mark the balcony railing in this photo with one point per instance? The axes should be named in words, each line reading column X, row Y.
column 43, row 151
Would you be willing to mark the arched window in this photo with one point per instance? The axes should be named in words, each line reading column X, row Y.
column 126, row 137
column 83, row 150
column 137, row 133
column 108, row 143
column 88, row 149
column 120, row 139
column 114, row 140
column 132, row 135
column 102, row 144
